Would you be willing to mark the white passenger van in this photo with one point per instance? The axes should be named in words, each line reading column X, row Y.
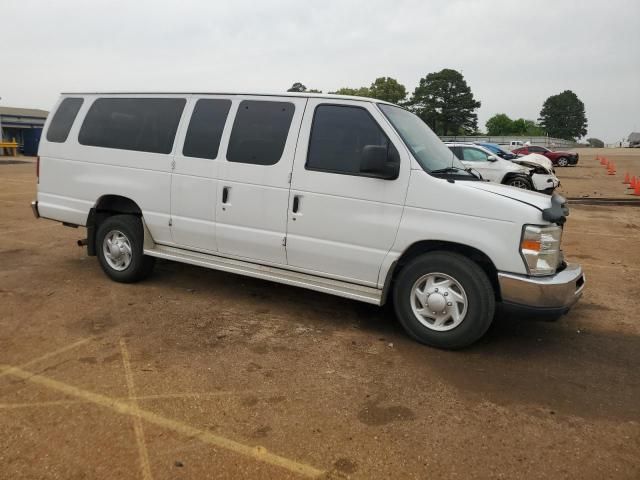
column 344, row 195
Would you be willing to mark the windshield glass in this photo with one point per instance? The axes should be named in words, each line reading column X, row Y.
column 425, row 145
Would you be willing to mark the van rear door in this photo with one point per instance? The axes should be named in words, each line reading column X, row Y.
column 194, row 180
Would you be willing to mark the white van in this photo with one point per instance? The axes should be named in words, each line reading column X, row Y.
column 344, row 195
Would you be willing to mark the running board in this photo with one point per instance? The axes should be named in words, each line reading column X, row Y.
column 296, row 279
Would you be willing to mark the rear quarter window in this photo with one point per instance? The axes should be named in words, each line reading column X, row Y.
column 63, row 119
column 138, row 124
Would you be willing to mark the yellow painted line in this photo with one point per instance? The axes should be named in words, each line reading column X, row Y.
column 51, row 354
column 124, row 408
column 159, row 396
column 52, row 403
column 145, row 465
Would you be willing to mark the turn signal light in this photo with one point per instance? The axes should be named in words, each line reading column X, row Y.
column 530, row 245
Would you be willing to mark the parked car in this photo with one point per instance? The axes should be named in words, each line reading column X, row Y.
column 497, row 150
column 561, row 159
column 512, row 144
column 529, row 175
column 344, row 195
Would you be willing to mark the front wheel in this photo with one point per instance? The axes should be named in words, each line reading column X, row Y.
column 520, row 182
column 119, row 240
column 563, row 162
column 444, row 299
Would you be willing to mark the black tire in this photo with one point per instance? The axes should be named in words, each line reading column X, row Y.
column 140, row 265
column 479, row 293
column 520, row 181
column 562, row 162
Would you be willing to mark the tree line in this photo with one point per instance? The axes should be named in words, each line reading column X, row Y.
column 446, row 103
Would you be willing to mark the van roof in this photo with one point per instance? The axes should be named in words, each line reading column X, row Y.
column 267, row 94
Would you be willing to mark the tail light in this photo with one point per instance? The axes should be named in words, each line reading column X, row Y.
column 38, row 169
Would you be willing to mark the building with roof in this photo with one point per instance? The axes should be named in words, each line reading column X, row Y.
column 24, row 125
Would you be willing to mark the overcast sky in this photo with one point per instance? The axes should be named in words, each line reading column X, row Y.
column 513, row 54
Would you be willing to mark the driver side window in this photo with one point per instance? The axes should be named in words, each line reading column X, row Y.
column 473, row 155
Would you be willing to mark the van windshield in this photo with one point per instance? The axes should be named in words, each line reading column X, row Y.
column 427, row 148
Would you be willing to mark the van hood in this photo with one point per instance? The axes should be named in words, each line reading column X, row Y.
column 536, row 200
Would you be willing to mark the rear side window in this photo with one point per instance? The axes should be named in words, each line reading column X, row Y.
column 140, row 124
column 473, row 155
column 260, row 132
column 338, row 136
column 205, row 128
column 63, row 120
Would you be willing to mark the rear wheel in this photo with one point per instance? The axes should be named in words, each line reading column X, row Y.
column 563, row 162
column 119, row 240
column 444, row 299
column 520, row 182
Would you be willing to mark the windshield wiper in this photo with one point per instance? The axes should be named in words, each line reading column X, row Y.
column 453, row 169
column 448, row 170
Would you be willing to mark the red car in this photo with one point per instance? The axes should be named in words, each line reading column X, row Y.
column 561, row 159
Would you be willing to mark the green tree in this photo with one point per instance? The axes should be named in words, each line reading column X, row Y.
column 532, row 129
column 388, row 89
column 499, row 124
column 355, row 92
column 297, row 87
column 595, row 142
column 445, row 102
column 563, row 116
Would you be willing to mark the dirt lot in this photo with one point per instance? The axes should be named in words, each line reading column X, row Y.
column 201, row 374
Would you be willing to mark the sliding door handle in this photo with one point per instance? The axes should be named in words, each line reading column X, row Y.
column 225, row 194
column 296, row 204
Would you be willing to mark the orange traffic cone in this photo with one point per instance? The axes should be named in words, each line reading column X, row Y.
column 612, row 169
column 626, row 179
column 603, row 161
column 633, row 182
column 637, row 189
column 606, row 163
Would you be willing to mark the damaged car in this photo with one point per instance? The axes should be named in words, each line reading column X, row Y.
column 528, row 172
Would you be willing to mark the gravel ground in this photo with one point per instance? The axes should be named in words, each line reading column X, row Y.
column 201, row 374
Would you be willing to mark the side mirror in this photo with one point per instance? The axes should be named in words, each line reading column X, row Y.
column 380, row 161
column 492, row 158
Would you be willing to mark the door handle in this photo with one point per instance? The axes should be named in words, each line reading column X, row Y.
column 225, row 194
column 296, row 204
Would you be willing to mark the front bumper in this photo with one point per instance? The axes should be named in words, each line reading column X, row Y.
column 574, row 160
column 544, row 183
column 34, row 209
column 553, row 294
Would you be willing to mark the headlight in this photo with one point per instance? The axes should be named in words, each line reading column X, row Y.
column 540, row 248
